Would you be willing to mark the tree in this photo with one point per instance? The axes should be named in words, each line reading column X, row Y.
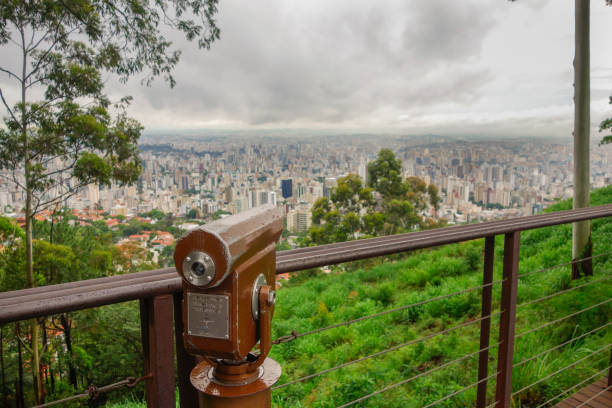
column 385, row 174
column 193, row 214
column 352, row 211
column 63, row 132
column 434, row 197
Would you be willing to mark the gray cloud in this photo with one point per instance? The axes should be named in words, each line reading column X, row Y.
column 435, row 65
column 332, row 62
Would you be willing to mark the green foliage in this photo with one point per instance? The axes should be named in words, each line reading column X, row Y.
column 217, row 214
column 606, row 126
column 9, row 230
column 353, row 211
column 385, row 174
column 193, row 213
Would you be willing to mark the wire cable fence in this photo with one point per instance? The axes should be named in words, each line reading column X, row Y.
column 406, row 381
column 295, row 335
column 385, row 351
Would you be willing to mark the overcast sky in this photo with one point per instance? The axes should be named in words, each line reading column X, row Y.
column 436, row 66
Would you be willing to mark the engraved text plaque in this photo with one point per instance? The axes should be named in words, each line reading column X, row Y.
column 208, row 315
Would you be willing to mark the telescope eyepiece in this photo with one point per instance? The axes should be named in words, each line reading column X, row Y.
column 199, row 268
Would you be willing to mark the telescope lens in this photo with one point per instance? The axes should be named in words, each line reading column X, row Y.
column 198, row 268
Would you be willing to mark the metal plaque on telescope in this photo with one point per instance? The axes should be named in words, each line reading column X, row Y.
column 208, row 315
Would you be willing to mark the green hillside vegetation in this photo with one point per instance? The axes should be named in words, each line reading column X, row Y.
column 328, row 299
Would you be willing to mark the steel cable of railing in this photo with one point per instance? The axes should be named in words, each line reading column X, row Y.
column 606, row 347
column 379, row 353
column 561, row 265
column 295, row 335
column 594, row 396
column 597, row 374
column 94, row 392
column 561, row 292
column 561, row 345
column 562, row 319
column 398, row 384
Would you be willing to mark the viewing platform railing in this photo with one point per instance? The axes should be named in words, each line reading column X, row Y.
column 160, row 294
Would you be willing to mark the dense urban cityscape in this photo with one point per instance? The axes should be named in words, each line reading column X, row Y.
column 201, row 179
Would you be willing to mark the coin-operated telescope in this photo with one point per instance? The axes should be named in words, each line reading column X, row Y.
column 229, row 272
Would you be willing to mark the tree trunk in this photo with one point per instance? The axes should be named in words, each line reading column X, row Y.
column 581, row 234
column 28, row 219
column 34, row 326
column 20, row 398
column 4, row 393
column 66, row 325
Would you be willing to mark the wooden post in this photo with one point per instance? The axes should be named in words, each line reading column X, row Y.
column 507, row 320
column 158, row 348
column 485, row 324
column 581, row 231
column 188, row 395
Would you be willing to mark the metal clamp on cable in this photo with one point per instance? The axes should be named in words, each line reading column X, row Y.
column 229, row 272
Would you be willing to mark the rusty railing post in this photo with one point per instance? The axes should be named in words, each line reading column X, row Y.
column 158, row 348
column 507, row 320
column 485, row 324
column 185, row 362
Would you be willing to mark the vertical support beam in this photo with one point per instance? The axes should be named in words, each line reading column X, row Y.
column 158, row 348
column 188, row 395
column 581, row 231
column 507, row 320
column 610, row 370
column 485, row 325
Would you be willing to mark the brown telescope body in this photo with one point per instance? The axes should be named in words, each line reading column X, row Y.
column 223, row 264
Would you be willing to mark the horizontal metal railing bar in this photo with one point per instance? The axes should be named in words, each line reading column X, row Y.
column 414, row 377
column 385, row 351
column 305, row 258
column 597, row 374
column 131, row 279
column 533, row 221
column 86, row 300
column 525, row 361
column 295, row 335
column 84, row 283
column 562, row 292
column 287, row 261
column 606, row 347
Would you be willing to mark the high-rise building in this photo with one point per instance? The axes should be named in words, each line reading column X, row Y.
column 299, row 221
column 287, row 188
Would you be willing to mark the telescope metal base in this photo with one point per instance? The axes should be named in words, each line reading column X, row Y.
column 228, row 394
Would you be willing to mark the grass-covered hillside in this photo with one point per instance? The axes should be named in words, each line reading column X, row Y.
column 350, row 292
column 324, row 300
